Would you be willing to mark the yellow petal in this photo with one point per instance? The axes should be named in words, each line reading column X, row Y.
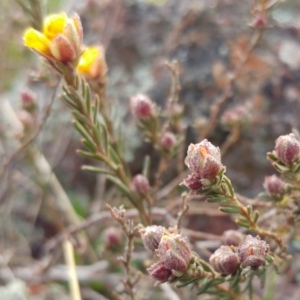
column 87, row 60
column 36, row 41
column 54, row 25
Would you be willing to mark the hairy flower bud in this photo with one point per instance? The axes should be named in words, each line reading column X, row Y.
column 287, row 148
column 159, row 272
column 112, row 237
column 238, row 115
column 141, row 184
column 151, row 236
column 142, row 107
column 232, row 237
column 174, row 251
column 252, row 252
column 204, row 161
column 167, row 141
column 225, row 261
column 193, row 182
column 274, row 186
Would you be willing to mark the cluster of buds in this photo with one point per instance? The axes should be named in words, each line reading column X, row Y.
column 250, row 253
column 61, row 39
column 239, row 115
column 172, row 249
column 274, row 186
column 204, row 162
column 60, row 43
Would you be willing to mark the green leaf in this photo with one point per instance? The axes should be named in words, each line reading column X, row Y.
column 230, row 210
column 88, row 98
column 104, row 137
column 255, row 216
column 122, row 187
column 216, row 199
column 69, row 102
column 96, row 109
column 88, row 154
column 146, row 166
column 242, row 222
column 82, row 131
column 228, row 184
column 230, row 204
column 96, row 170
column 79, row 116
column 113, row 155
column 91, row 146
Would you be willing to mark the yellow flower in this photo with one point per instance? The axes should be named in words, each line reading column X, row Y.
column 92, row 64
column 60, row 40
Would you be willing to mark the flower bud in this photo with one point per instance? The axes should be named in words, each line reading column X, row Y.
column 204, row 159
column 252, row 252
column 274, row 186
column 112, row 237
column 142, row 107
column 151, row 236
column 225, row 261
column 92, row 64
column 232, row 237
column 60, row 40
column 238, row 115
column 287, row 148
column 28, row 100
column 174, row 251
column 159, row 272
column 260, row 21
column 141, row 184
column 193, row 182
column 167, row 141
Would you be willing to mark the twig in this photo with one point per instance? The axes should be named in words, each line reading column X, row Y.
column 216, row 108
column 40, row 127
column 131, row 231
column 73, row 281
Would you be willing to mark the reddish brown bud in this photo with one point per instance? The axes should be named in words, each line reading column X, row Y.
column 112, row 237
column 287, row 148
column 167, row 141
column 193, row 182
column 141, row 184
column 232, row 237
column 204, row 161
column 225, row 261
column 159, row 272
column 274, row 186
column 174, row 251
column 260, row 21
column 151, row 236
column 142, row 107
column 252, row 252
column 238, row 115
column 28, row 100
